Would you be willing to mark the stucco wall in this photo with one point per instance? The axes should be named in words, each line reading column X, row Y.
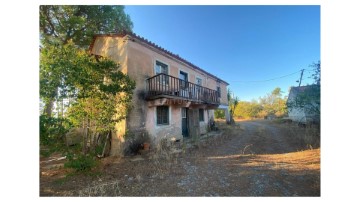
column 138, row 61
column 297, row 114
column 158, row 132
column 204, row 124
column 146, row 57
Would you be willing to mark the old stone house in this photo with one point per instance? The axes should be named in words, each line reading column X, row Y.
column 173, row 99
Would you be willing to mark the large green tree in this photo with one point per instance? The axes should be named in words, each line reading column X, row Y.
column 60, row 23
column 99, row 94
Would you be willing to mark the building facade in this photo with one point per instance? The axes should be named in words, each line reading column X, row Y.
column 173, row 98
column 304, row 104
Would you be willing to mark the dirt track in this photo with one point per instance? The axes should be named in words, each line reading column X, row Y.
column 253, row 158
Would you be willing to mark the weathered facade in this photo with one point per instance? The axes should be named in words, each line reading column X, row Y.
column 173, row 98
column 304, row 104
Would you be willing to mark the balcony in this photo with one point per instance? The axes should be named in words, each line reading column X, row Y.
column 166, row 86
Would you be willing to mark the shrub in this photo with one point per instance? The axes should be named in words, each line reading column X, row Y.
column 52, row 129
column 80, row 163
column 219, row 114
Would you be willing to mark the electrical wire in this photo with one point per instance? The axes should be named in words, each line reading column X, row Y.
column 270, row 79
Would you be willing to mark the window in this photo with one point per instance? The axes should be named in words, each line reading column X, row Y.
column 199, row 81
column 218, row 91
column 162, row 68
column 162, row 115
column 183, row 80
column 201, row 114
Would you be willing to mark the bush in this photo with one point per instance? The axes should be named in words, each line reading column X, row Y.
column 81, row 163
column 52, row 130
column 219, row 114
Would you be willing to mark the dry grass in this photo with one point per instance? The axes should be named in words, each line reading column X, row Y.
column 106, row 189
column 308, row 137
column 296, row 161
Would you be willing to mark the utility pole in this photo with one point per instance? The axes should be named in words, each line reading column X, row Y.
column 302, row 72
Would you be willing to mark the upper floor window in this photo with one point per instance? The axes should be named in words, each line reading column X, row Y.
column 199, row 81
column 218, row 89
column 161, row 68
column 164, row 69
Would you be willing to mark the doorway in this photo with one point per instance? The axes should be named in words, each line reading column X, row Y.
column 184, row 122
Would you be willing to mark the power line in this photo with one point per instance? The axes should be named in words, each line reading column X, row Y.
column 271, row 79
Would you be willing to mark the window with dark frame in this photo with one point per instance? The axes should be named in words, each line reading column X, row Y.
column 161, row 68
column 162, row 115
column 201, row 114
column 218, row 91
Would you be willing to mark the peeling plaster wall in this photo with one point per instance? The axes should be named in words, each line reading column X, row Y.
column 158, row 132
column 138, row 61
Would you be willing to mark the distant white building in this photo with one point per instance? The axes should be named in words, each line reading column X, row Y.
column 304, row 104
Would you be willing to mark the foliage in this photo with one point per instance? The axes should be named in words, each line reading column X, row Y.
column 273, row 103
column 248, row 109
column 60, row 23
column 64, row 24
column 219, row 114
column 80, row 163
column 98, row 94
column 233, row 102
column 316, row 75
column 52, row 129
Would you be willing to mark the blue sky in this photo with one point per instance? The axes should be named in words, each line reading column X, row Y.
column 237, row 43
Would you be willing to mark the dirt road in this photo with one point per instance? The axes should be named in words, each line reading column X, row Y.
column 253, row 158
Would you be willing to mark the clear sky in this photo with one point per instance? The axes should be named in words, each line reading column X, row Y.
column 239, row 44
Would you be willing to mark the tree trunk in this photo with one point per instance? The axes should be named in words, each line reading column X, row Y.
column 85, row 127
column 105, row 145
column 48, row 107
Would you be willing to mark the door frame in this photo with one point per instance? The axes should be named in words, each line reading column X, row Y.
column 186, row 134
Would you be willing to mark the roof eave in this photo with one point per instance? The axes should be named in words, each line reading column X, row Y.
column 122, row 34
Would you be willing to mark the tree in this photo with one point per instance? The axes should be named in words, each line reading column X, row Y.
column 219, row 114
column 316, row 72
column 247, row 109
column 233, row 102
column 60, row 25
column 273, row 103
column 102, row 95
